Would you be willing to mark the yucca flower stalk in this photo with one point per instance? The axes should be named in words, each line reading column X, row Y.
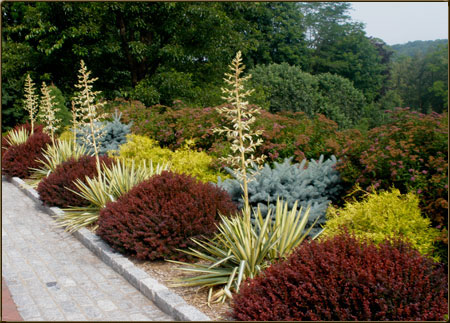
column 111, row 183
column 49, row 109
column 86, row 108
column 241, row 116
column 31, row 100
column 74, row 123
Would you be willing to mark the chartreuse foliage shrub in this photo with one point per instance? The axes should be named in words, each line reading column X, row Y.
column 59, row 189
column 314, row 184
column 383, row 215
column 17, row 160
column 162, row 214
column 183, row 160
column 344, row 279
column 113, row 134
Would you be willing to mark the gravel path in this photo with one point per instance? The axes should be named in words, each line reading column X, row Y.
column 53, row 277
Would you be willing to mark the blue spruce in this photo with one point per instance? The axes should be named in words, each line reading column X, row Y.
column 313, row 184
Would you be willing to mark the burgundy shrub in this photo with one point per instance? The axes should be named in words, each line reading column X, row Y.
column 18, row 159
column 341, row 279
column 53, row 189
column 161, row 214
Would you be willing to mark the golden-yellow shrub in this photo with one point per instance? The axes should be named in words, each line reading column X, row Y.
column 183, row 160
column 382, row 215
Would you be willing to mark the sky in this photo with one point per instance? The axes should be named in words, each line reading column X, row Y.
column 401, row 22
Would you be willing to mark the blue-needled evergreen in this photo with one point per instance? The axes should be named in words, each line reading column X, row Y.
column 115, row 134
column 316, row 185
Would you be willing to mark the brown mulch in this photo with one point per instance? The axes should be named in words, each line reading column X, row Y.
column 164, row 272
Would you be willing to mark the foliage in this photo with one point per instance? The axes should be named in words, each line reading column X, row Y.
column 58, row 189
column 284, row 134
column 113, row 182
column 183, row 160
column 421, row 80
column 163, row 51
column 409, row 152
column 17, row 136
column 48, row 112
column 240, row 251
column 113, row 134
column 31, row 101
column 384, row 215
column 161, row 214
column 289, row 88
column 331, row 33
column 18, row 160
column 313, row 185
column 343, row 279
column 53, row 156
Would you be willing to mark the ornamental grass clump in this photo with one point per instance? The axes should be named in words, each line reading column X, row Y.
column 344, row 279
column 382, row 215
column 162, row 214
column 113, row 182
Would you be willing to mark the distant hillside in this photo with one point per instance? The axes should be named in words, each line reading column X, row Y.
column 413, row 48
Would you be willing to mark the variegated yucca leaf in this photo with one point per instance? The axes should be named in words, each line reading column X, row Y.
column 17, row 137
column 239, row 251
column 53, row 156
column 109, row 185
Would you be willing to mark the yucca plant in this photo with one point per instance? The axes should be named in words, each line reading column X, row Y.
column 111, row 183
column 53, row 156
column 17, row 137
column 239, row 251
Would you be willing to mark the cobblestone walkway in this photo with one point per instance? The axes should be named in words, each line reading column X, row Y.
column 52, row 276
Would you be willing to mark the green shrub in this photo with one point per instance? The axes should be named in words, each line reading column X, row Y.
column 288, row 88
column 183, row 160
column 387, row 214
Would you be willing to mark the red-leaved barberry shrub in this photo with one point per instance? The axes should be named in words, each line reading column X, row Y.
column 53, row 189
column 161, row 215
column 342, row 279
column 18, row 159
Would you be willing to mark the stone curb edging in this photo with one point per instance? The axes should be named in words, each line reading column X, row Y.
column 166, row 300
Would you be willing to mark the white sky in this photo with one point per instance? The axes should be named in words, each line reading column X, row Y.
column 400, row 22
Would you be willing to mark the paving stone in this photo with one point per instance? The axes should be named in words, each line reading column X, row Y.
column 53, row 277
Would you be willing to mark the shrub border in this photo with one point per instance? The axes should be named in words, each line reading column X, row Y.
column 165, row 299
